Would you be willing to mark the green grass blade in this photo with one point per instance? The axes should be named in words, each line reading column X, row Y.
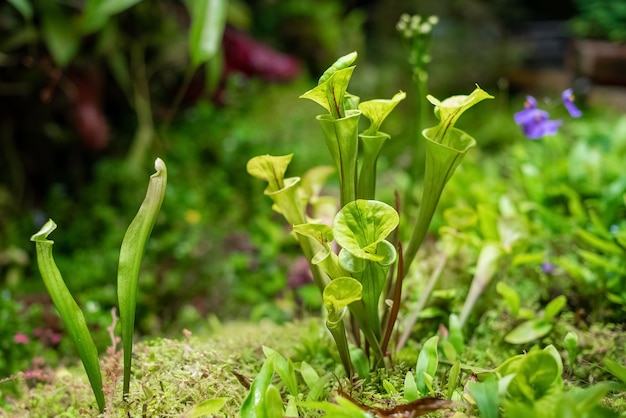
column 131, row 253
column 70, row 313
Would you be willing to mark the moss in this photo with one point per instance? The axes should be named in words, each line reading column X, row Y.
column 169, row 376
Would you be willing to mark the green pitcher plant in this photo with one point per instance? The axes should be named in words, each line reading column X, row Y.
column 354, row 259
column 131, row 253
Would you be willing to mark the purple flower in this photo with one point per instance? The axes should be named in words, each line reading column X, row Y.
column 568, row 100
column 530, row 109
column 547, row 267
column 540, row 126
column 535, row 122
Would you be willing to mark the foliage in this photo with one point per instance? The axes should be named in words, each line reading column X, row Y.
column 601, row 19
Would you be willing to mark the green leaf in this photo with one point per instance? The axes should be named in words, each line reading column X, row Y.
column 343, row 408
column 98, row 12
column 24, row 7
column 456, row 334
column 427, row 363
column 554, row 307
column 273, row 403
column 131, row 252
column 410, row 388
column 341, row 292
column 529, row 331
column 319, row 232
column 208, row 20
column 317, row 389
column 510, row 296
column 453, row 378
column 537, row 375
column 378, row 110
column 615, row 369
column 341, row 63
column 598, row 243
column 253, row 405
column 449, row 110
column 204, row 408
column 360, row 362
column 389, row 387
column 271, row 169
column 331, row 91
column 362, row 224
column 309, row 375
column 485, row 395
column 284, row 368
column 68, row 309
column 59, row 35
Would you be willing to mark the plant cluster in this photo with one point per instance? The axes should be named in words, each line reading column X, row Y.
column 358, row 278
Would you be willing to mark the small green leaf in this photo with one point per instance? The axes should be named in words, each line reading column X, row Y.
column 598, row 243
column 453, row 378
column 450, row 109
column 319, row 232
column 554, row 307
column 485, row 395
column 208, row 19
column 510, row 296
column 410, row 388
column 342, row 409
column 253, row 405
column 273, row 403
column 528, row 331
column 360, row 362
column 98, row 12
column 271, row 169
column 571, row 345
column 362, row 224
column 536, row 376
column 330, row 93
column 317, row 389
column 24, row 7
column 341, row 292
column 456, row 334
column 207, row 407
column 615, row 369
column 427, row 363
column 59, row 35
column 284, row 368
column 341, row 63
column 389, row 387
column 292, row 407
column 309, row 375
column 378, row 110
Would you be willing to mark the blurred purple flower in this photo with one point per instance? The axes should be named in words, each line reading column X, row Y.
column 568, row 100
column 529, row 112
column 535, row 122
column 547, row 267
column 20, row 338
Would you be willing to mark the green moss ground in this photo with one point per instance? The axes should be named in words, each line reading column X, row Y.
column 169, row 376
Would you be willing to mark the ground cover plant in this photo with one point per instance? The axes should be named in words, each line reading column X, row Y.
column 507, row 301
